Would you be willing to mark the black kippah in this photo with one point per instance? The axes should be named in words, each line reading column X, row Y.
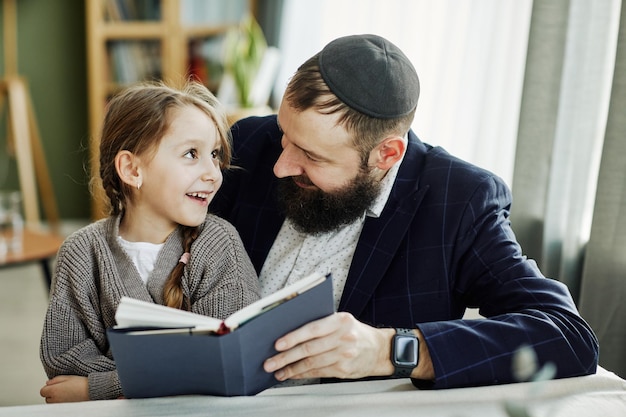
column 371, row 75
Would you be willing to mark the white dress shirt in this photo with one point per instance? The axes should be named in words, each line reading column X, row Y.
column 295, row 255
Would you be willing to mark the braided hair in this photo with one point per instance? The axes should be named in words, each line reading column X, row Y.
column 136, row 120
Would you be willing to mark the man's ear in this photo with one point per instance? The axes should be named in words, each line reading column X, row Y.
column 128, row 169
column 388, row 152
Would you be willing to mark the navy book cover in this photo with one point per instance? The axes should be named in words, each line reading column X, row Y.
column 184, row 363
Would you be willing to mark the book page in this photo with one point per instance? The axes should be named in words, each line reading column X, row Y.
column 258, row 307
column 136, row 313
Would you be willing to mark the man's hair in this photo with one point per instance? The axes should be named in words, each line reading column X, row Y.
column 307, row 90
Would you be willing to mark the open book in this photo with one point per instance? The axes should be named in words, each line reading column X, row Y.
column 161, row 351
column 136, row 313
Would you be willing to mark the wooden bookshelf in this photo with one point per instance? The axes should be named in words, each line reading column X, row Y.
column 134, row 40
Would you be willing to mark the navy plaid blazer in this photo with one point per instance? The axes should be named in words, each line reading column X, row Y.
column 442, row 243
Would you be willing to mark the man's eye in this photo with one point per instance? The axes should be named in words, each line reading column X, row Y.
column 310, row 158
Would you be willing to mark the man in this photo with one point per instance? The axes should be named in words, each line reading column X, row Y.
column 413, row 236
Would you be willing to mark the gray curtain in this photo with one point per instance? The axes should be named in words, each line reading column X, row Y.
column 573, row 106
column 603, row 289
column 538, row 118
column 567, row 86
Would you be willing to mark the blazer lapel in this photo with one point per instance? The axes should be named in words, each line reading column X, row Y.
column 382, row 236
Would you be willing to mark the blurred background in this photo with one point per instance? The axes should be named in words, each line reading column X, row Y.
column 534, row 91
column 470, row 56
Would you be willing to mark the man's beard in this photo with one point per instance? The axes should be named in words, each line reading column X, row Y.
column 314, row 211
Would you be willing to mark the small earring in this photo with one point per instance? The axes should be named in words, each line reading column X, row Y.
column 138, row 186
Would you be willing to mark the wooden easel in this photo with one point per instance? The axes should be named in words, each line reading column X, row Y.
column 23, row 135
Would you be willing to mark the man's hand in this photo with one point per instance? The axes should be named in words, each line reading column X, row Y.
column 66, row 388
column 337, row 346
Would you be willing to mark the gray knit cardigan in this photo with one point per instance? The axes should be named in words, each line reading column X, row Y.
column 93, row 272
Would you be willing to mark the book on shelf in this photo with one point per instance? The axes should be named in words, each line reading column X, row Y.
column 161, row 351
column 127, row 10
column 133, row 61
column 213, row 12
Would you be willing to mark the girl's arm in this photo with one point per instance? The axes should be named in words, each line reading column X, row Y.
column 74, row 340
column 220, row 275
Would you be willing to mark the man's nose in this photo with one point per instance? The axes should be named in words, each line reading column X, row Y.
column 288, row 164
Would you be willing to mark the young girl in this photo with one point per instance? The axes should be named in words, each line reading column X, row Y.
column 161, row 155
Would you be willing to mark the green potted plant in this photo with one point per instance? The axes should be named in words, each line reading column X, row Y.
column 244, row 50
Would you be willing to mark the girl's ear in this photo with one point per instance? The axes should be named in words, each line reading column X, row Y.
column 128, row 169
column 388, row 152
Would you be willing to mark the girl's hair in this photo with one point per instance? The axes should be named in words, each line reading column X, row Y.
column 307, row 89
column 136, row 120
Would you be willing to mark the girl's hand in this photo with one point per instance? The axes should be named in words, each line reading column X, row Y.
column 66, row 388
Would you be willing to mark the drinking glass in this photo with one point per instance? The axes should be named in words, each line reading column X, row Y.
column 11, row 222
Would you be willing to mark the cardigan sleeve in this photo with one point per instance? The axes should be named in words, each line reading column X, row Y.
column 73, row 339
column 221, row 277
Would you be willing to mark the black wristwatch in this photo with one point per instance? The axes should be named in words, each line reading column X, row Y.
column 404, row 353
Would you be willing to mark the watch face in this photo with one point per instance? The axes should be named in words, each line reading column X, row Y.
column 405, row 351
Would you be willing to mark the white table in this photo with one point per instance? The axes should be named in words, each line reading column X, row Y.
column 602, row 394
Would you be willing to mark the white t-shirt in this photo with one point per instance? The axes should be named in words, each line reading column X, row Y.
column 143, row 255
